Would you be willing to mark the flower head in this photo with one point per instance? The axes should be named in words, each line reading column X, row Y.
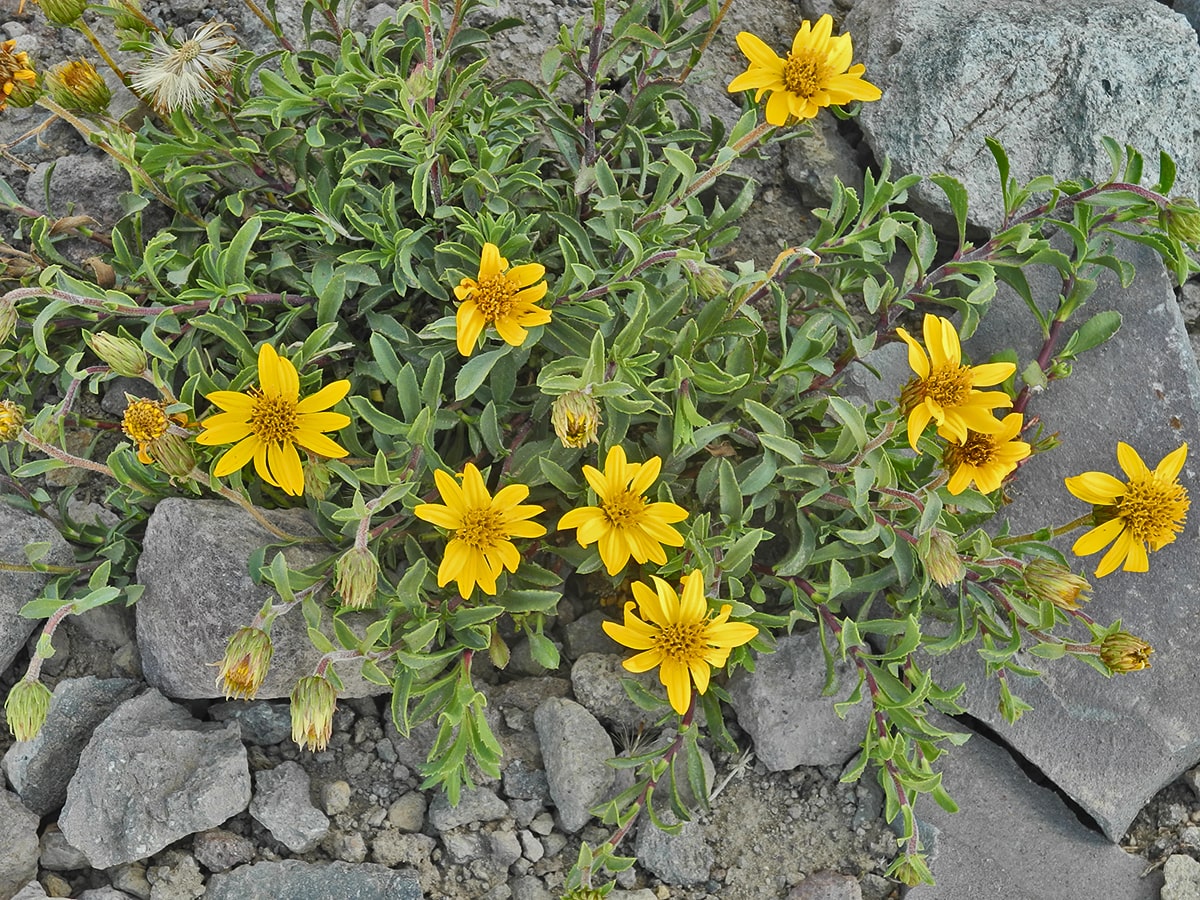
column 1123, row 653
column 986, row 459
column 314, row 701
column 180, row 77
column 482, row 529
column 267, row 423
column 501, row 296
column 816, row 73
column 63, row 12
column 677, row 634
column 624, row 523
column 939, row 553
column 247, row 659
column 77, row 86
column 16, row 73
column 945, row 390
column 1148, row 510
column 1180, row 218
column 144, row 421
column 576, row 416
column 12, row 420
column 26, row 707
column 357, row 577
column 123, row 356
column 1049, row 580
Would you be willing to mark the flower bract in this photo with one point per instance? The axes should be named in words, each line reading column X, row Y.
column 1147, row 511
column 816, row 73
column 267, row 423
column 482, row 527
column 945, row 391
column 314, row 701
column 986, row 459
column 677, row 633
column 625, row 523
column 501, row 296
column 244, row 666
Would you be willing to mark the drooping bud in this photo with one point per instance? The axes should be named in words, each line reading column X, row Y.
column 317, row 478
column 1052, row 581
column 1180, row 218
column 18, row 80
column 63, row 12
column 12, row 420
column 247, row 659
column 1122, row 653
column 357, row 575
column 77, row 86
column 173, row 454
column 941, row 559
column 26, row 708
column 576, row 416
column 709, row 283
column 314, row 700
column 123, row 356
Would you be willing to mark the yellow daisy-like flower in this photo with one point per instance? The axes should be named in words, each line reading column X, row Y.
column 1149, row 509
column 678, row 635
column 986, row 459
column 624, row 523
column 945, row 390
column 483, row 526
column 816, row 73
column 15, row 70
column 266, row 423
column 501, row 296
column 145, row 421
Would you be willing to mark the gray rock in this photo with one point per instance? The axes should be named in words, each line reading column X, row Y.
column 335, row 797
column 392, row 848
column 479, row 805
column 586, row 635
column 41, row 769
column 505, row 847
column 826, row 886
column 193, row 565
column 596, row 681
column 955, row 72
column 80, row 185
column 150, row 775
column 314, row 881
column 56, row 853
column 524, row 783
column 528, row 887
column 576, row 749
column 683, row 858
column 812, row 161
column 18, row 530
column 1016, row 838
column 131, row 879
column 31, row 891
column 180, row 881
column 1190, row 10
column 408, row 812
column 1182, row 874
column 781, row 706
column 262, row 723
column 105, row 893
column 1111, row 744
column 463, row 847
column 283, row 805
column 219, row 850
column 18, row 845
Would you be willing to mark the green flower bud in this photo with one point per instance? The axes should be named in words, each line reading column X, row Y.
column 941, row 559
column 709, row 283
column 173, row 454
column 63, row 12
column 1123, row 653
column 1048, row 580
column 12, row 420
column 317, row 478
column 123, row 356
column 1181, row 219
column 126, row 19
column 77, row 86
column 247, row 659
column 26, row 708
column 357, row 575
column 314, row 700
column 576, row 416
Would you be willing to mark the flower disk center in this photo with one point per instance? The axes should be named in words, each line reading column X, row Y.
column 624, row 509
column 977, row 450
column 273, row 418
column 144, row 421
column 683, row 643
column 494, row 297
column 804, row 74
column 1153, row 510
column 481, row 529
column 949, row 386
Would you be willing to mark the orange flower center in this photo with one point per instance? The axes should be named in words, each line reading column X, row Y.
column 144, row 420
column 494, row 297
column 1153, row 510
column 624, row 509
column 948, row 386
column 273, row 418
column 805, row 73
column 683, row 643
column 482, row 529
column 978, row 450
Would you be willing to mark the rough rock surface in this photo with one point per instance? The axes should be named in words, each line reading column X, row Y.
column 576, row 749
column 310, row 881
column 18, row 530
column 18, row 844
column 282, row 803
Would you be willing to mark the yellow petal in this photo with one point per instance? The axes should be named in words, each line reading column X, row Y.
column 222, row 434
column 268, row 370
column 1136, row 560
column 1130, row 462
column 490, row 262
column 917, row 360
column 525, row 275
column 510, row 332
column 232, row 402
column 692, row 605
column 989, row 374
column 778, row 108
column 918, row 419
column 643, row 662
column 439, row 515
column 614, row 551
column 1096, row 488
column 627, row 636
column 325, row 398
column 1098, row 538
column 285, row 466
column 699, row 671
column 1115, row 556
column 1171, row 465
column 236, row 456
column 758, row 52
column 468, row 324
column 678, row 681
column 731, row 634
column 475, row 492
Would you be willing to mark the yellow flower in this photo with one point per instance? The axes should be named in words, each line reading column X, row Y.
column 247, row 659
column 313, row 703
column 624, row 523
column 15, row 71
column 77, row 86
column 1149, row 509
column 146, row 422
column 266, row 424
column 501, row 296
column 12, row 420
column 986, row 459
column 944, row 389
column 816, row 73
column 483, row 526
column 678, row 635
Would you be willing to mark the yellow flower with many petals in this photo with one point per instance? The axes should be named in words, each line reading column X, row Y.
column 677, row 634
column 16, row 72
column 1148, row 510
column 483, row 527
column 624, row 523
column 816, row 73
column 986, row 459
column 267, row 423
column 944, row 390
column 501, row 296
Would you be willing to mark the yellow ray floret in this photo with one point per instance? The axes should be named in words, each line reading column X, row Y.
column 986, row 459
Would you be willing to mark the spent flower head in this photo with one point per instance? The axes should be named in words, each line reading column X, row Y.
column 1123, row 653
column 266, row 424
column 247, row 659
column 986, row 459
column 12, row 420
column 181, row 76
column 678, row 634
column 26, row 707
column 502, row 296
column 173, row 454
column 18, row 80
column 816, row 73
column 314, row 700
column 1143, row 513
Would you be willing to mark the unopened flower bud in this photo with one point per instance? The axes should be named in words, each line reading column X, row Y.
column 173, row 454
column 8, row 319
column 1122, row 653
column 498, row 650
column 357, row 575
column 123, row 356
column 313, row 701
column 941, row 559
column 1181, row 219
column 77, row 86
column 26, row 708
column 126, row 18
column 12, row 420
column 709, row 283
column 63, row 12
column 247, row 659
column 317, row 478
column 576, row 416
column 1049, row 580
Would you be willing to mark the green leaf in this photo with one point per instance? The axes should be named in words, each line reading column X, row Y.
column 1092, row 333
column 957, row 195
column 473, row 374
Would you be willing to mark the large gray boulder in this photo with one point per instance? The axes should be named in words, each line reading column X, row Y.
column 18, row 845
column 1047, row 80
column 17, row 530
